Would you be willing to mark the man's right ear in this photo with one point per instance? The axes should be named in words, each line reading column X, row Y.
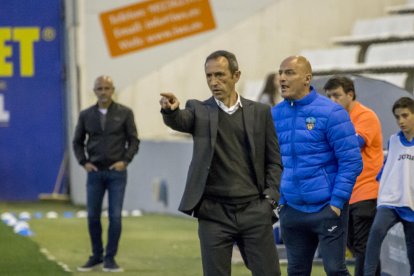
column 237, row 74
column 308, row 79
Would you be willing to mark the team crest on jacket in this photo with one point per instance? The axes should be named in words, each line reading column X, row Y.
column 310, row 123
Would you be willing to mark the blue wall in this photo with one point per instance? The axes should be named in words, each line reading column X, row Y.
column 32, row 124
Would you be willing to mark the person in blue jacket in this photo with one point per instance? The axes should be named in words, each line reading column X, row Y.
column 322, row 160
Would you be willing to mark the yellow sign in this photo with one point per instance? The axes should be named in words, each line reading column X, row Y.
column 154, row 22
column 26, row 37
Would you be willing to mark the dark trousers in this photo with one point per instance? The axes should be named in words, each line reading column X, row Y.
column 98, row 182
column 247, row 224
column 361, row 217
column 302, row 232
column 384, row 220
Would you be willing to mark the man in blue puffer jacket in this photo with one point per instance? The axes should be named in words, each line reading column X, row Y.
column 322, row 160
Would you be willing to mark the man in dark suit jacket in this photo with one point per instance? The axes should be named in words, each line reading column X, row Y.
column 234, row 176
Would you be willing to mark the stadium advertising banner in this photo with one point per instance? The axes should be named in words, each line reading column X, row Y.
column 150, row 23
column 32, row 125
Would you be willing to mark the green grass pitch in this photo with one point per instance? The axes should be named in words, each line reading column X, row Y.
column 151, row 245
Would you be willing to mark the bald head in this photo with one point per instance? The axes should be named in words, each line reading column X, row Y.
column 301, row 62
column 295, row 76
column 104, row 89
column 105, row 79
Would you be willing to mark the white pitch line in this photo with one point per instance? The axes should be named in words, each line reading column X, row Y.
column 50, row 257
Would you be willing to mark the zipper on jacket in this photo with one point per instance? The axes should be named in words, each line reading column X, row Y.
column 292, row 142
column 294, row 157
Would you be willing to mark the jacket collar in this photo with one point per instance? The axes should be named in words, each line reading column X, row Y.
column 305, row 100
column 213, row 104
column 109, row 107
column 231, row 109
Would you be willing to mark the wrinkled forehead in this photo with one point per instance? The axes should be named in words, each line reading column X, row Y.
column 219, row 64
column 296, row 63
column 218, row 61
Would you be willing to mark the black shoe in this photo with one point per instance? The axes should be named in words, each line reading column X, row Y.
column 92, row 263
column 111, row 266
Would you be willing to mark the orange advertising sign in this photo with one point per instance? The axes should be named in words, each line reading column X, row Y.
column 149, row 23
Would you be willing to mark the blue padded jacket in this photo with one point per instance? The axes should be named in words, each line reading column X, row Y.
column 320, row 152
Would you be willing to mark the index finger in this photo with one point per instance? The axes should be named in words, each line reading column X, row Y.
column 168, row 95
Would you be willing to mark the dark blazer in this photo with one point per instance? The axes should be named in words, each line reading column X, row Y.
column 201, row 119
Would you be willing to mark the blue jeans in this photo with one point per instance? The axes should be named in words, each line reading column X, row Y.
column 97, row 183
column 384, row 220
column 302, row 232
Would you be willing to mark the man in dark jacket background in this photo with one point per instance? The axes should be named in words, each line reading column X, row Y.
column 107, row 133
column 321, row 160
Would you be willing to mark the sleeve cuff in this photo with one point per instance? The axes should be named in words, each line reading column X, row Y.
column 337, row 202
column 168, row 111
